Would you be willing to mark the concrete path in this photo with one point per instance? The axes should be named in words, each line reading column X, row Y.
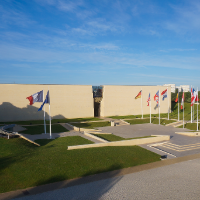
column 170, row 179
column 140, row 130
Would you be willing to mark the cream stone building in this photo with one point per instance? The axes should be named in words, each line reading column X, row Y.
column 76, row 101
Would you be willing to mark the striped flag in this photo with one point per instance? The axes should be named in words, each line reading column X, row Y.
column 164, row 94
column 176, row 98
column 182, row 101
column 156, row 97
column 148, row 99
column 139, row 95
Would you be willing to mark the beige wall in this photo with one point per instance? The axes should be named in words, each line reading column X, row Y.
column 67, row 101
column 120, row 100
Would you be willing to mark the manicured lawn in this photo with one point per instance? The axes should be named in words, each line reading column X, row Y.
column 91, row 124
column 191, row 126
column 126, row 117
column 112, row 138
column 153, row 121
column 23, row 164
column 32, row 122
column 39, row 129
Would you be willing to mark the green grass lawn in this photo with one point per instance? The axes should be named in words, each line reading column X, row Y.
column 112, row 138
column 32, row 122
column 153, row 121
column 91, row 125
column 173, row 115
column 23, row 164
column 39, row 129
column 191, row 126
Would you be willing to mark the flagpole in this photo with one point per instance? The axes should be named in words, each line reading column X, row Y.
column 150, row 107
column 183, row 109
column 178, row 104
column 141, row 103
column 44, row 116
column 191, row 103
column 168, row 102
column 197, row 108
column 159, row 106
column 49, row 117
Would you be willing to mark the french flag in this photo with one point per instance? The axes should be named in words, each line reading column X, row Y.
column 37, row 97
column 164, row 93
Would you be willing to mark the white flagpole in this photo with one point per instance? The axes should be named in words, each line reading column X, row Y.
column 159, row 105
column 168, row 102
column 44, row 115
column 178, row 104
column 150, row 108
column 197, row 109
column 141, row 103
column 193, row 110
column 49, row 117
column 191, row 103
column 183, row 109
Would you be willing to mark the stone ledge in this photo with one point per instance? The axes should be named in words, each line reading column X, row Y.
column 189, row 133
column 131, row 142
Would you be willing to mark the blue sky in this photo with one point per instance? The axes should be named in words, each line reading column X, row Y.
column 114, row 42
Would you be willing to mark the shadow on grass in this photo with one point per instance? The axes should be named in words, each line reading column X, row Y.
column 6, row 162
column 57, row 182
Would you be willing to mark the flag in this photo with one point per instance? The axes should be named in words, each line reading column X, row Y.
column 192, row 96
column 182, row 101
column 164, row 93
column 37, row 97
column 148, row 99
column 176, row 98
column 139, row 95
column 195, row 94
column 156, row 97
column 47, row 100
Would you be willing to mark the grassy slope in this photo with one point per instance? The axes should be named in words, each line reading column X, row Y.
column 24, row 165
column 173, row 115
column 91, row 124
column 39, row 129
column 111, row 137
column 153, row 121
column 31, row 122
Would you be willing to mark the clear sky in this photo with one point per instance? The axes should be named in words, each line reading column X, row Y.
column 99, row 42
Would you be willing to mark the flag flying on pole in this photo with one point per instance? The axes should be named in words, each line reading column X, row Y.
column 156, row 97
column 37, row 97
column 193, row 96
column 148, row 99
column 176, row 98
column 182, row 101
column 47, row 100
column 139, row 95
column 164, row 93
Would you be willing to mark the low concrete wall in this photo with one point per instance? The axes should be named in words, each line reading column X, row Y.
column 94, row 137
column 132, row 142
column 189, row 133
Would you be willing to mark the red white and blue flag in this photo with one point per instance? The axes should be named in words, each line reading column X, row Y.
column 47, row 100
column 164, row 94
column 182, row 101
column 194, row 96
column 148, row 100
column 156, row 97
column 37, row 97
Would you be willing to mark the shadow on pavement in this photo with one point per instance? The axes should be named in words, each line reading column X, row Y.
column 62, row 190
